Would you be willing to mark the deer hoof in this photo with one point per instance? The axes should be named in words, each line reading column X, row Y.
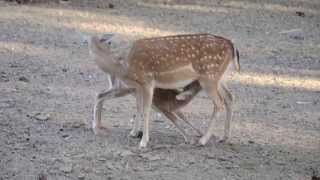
column 101, row 131
column 136, row 134
column 143, row 144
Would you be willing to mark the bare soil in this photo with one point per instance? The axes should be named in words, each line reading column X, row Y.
column 48, row 84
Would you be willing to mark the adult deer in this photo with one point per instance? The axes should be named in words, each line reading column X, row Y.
column 172, row 62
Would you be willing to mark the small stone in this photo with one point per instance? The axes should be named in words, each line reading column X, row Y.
column 7, row 104
column 77, row 124
column 248, row 165
column 24, row 79
column 251, row 142
column 42, row 176
column 3, row 77
column 300, row 13
column 102, row 159
column 65, row 135
column 111, row 6
column 151, row 157
column 115, row 125
column 125, row 153
column 81, row 176
column 41, row 117
column 297, row 37
column 66, row 168
column 158, row 121
column 222, row 159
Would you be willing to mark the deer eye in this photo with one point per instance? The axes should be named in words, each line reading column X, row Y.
column 109, row 43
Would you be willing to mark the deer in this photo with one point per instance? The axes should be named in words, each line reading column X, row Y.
column 164, row 101
column 170, row 63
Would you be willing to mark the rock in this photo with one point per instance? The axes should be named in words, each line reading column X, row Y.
column 81, row 176
column 248, row 165
column 126, row 153
column 102, row 159
column 66, row 168
column 3, row 77
column 42, row 176
column 7, row 104
column 297, row 37
column 111, row 6
column 66, row 136
column 24, row 79
column 300, row 13
column 42, row 116
column 151, row 157
column 222, row 159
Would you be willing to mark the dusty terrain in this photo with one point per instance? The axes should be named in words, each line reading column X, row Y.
column 48, row 85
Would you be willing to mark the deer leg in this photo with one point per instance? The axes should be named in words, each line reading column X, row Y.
column 147, row 96
column 101, row 97
column 181, row 116
column 189, row 92
column 212, row 90
column 137, row 120
column 228, row 105
column 96, row 123
column 172, row 116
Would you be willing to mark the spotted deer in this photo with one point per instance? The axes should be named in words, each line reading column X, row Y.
column 172, row 62
column 164, row 101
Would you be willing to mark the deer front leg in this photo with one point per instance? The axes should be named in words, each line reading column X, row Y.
column 101, row 97
column 147, row 95
column 137, row 119
column 96, row 123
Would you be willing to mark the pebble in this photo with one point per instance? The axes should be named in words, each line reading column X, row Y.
column 7, row 104
column 3, row 77
column 66, row 168
column 125, row 153
column 111, row 6
column 300, row 13
column 24, row 79
column 42, row 176
column 151, row 157
column 81, row 176
column 248, row 165
column 42, row 116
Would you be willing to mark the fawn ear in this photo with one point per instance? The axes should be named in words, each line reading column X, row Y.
column 106, row 37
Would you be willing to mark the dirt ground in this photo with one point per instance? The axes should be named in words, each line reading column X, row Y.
column 48, row 84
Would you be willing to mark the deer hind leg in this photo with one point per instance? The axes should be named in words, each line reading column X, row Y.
column 211, row 87
column 147, row 96
column 181, row 116
column 173, row 117
column 101, row 97
column 227, row 98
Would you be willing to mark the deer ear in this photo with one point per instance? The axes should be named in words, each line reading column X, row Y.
column 106, row 37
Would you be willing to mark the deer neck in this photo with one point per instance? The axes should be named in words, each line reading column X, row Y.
column 112, row 67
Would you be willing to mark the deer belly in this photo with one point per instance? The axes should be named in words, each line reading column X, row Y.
column 176, row 78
